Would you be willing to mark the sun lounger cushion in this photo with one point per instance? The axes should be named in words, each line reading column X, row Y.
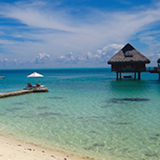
column 29, row 85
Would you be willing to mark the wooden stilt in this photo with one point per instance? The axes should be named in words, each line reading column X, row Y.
column 135, row 75
column 117, row 76
column 120, row 75
column 159, row 76
column 139, row 75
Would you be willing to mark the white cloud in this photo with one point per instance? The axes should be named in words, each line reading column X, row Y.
column 103, row 28
column 101, row 55
column 151, row 38
column 18, row 62
column 36, row 15
column 56, row 31
column 70, row 57
column 6, row 42
column 3, row 61
column 42, row 58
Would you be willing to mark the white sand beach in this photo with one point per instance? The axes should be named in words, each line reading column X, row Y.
column 16, row 150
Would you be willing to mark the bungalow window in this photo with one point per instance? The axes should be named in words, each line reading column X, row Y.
column 129, row 53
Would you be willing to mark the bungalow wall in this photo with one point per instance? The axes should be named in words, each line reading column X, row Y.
column 128, row 67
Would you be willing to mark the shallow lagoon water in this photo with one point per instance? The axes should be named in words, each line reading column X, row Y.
column 86, row 112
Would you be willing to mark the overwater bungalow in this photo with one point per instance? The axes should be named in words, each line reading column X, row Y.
column 128, row 60
column 158, row 61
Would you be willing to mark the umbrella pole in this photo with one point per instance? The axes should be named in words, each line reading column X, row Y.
column 35, row 80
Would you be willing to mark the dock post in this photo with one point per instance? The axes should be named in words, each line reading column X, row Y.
column 120, row 75
column 117, row 75
column 134, row 75
column 139, row 75
column 159, row 75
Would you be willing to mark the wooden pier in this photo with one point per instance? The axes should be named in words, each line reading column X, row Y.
column 153, row 70
column 23, row 91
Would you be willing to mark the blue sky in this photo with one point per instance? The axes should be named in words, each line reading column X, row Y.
column 79, row 33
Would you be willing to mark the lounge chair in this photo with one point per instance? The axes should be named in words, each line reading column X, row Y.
column 29, row 85
column 39, row 85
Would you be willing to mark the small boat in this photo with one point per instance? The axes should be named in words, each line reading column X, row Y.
column 2, row 77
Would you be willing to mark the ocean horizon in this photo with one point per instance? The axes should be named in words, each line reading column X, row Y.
column 86, row 113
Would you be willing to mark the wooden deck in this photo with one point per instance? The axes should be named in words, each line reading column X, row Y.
column 153, row 69
column 23, row 91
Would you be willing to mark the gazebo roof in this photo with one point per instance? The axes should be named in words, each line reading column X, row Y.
column 128, row 54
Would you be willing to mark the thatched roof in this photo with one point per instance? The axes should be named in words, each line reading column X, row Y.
column 128, row 54
column 158, row 61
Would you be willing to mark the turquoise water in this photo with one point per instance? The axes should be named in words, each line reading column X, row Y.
column 86, row 112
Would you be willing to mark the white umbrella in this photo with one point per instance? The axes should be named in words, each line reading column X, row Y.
column 35, row 74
